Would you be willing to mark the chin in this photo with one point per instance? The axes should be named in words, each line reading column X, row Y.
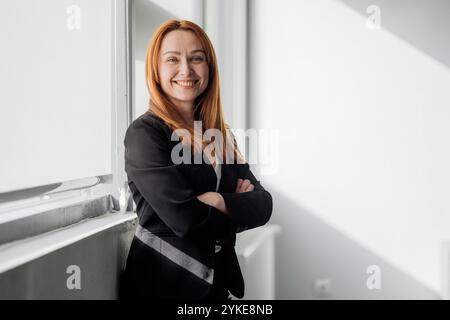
column 189, row 98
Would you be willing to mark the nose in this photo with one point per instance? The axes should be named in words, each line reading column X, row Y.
column 185, row 68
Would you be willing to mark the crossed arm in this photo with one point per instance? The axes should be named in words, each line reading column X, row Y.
column 216, row 200
column 164, row 187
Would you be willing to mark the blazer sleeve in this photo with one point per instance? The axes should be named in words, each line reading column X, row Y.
column 165, row 188
column 252, row 209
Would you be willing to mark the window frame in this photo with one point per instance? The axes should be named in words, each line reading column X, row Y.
column 20, row 210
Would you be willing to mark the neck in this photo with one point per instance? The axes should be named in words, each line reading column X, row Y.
column 186, row 110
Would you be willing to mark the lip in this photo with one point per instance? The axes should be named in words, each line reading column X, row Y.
column 184, row 87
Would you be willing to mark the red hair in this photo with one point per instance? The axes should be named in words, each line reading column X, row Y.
column 208, row 105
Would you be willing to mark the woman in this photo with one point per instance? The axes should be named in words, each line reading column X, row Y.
column 189, row 213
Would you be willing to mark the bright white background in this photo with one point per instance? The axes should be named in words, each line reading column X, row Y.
column 56, row 92
column 364, row 160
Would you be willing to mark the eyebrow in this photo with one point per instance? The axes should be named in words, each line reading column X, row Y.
column 178, row 53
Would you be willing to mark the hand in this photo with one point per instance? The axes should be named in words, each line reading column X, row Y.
column 244, row 186
column 215, row 200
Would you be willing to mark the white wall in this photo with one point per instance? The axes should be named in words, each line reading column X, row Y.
column 226, row 25
column 57, row 80
column 363, row 174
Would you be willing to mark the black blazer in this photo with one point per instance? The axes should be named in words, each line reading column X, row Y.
column 172, row 255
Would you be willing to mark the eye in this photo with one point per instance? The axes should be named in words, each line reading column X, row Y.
column 172, row 59
column 198, row 59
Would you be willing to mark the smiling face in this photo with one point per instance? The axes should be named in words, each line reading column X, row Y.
column 183, row 69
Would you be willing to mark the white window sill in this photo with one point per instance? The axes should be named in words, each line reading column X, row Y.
column 19, row 252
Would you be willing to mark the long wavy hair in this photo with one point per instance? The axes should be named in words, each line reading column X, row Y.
column 208, row 105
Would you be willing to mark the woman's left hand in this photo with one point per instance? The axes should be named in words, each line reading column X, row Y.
column 213, row 199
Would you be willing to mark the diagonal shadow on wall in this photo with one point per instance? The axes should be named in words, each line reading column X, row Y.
column 423, row 24
column 325, row 252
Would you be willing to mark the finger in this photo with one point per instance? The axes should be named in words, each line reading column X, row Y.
column 245, row 185
column 242, row 187
column 250, row 188
column 239, row 183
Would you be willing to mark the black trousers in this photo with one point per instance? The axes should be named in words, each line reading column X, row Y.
column 219, row 291
column 218, row 294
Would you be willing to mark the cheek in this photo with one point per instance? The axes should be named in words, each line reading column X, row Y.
column 165, row 75
column 203, row 72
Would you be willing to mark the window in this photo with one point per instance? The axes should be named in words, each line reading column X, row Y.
column 65, row 104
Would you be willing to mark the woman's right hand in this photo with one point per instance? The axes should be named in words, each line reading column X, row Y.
column 216, row 200
column 244, row 186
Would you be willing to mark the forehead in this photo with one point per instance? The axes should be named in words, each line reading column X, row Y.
column 180, row 40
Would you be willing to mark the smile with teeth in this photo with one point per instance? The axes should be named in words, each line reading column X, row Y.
column 186, row 84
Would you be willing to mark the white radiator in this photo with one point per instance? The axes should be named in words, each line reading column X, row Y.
column 255, row 249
